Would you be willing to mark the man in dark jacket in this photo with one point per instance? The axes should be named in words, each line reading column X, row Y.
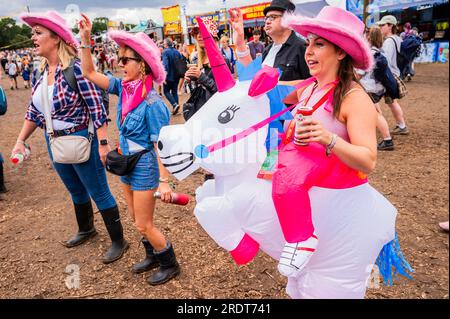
column 169, row 55
column 287, row 52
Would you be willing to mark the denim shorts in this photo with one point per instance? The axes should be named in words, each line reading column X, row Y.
column 145, row 175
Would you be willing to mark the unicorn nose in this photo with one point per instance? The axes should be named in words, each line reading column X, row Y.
column 201, row 151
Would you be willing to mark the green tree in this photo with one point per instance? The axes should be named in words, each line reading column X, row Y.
column 99, row 25
column 13, row 36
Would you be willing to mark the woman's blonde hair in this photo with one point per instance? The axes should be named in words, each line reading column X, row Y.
column 201, row 54
column 375, row 37
column 66, row 53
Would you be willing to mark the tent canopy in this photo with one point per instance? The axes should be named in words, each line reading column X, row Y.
column 311, row 8
column 356, row 6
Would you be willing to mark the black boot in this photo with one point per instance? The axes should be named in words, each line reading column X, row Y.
column 149, row 262
column 111, row 217
column 168, row 269
column 2, row 180
column 85, row 219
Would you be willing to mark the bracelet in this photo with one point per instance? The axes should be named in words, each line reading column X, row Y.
column 331, row 145
column 243, row 53
column 21, row 142
column 86, row 46
column 163, row 180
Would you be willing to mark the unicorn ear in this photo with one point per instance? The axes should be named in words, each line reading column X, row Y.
column 264, row 81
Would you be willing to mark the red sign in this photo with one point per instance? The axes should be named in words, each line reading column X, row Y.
column 255, row 11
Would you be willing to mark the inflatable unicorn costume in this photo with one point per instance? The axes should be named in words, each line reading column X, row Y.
column 227, row 137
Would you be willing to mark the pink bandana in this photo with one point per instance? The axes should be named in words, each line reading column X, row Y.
column 132, row 94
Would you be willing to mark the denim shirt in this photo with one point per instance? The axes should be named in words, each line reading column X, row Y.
column 143, row 124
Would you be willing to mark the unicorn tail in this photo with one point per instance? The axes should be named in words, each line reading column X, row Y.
column 391, row 262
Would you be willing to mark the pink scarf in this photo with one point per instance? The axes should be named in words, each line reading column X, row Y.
column 132, row 94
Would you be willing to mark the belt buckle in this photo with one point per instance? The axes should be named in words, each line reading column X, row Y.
column 69, row 130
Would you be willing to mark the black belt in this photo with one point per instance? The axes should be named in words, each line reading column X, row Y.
column 69, row 131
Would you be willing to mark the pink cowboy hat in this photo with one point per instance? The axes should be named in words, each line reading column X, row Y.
column 54, row 22
column 341, row 28
column 145, row 47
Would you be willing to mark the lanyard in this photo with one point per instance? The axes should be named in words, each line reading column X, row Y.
column 291, row 129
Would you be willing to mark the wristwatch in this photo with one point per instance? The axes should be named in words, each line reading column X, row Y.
column 104, row 142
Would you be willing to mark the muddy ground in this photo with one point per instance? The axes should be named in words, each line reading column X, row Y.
column 36, row 214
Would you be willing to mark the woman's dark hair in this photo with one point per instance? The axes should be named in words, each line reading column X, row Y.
column 394, row 29
column 346, row 75
column 256, row 32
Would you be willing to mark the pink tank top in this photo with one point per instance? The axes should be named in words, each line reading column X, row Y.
column 329, row 122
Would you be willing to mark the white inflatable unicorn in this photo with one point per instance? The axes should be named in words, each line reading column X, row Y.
column 227, row 137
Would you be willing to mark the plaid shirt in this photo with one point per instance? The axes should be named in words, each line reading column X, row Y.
column 69, row 106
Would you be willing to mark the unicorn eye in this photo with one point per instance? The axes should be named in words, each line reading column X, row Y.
column 228, row 114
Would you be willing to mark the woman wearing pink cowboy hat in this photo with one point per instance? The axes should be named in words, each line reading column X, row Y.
column 140, row 116
column 76, row 103
column 331, row 252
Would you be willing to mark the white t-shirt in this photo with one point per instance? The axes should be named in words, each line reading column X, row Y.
column 12, row 69
column 390, row 49
column 57, row 124
column 270, row 58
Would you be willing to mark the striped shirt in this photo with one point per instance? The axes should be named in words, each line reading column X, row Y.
column 69, row 106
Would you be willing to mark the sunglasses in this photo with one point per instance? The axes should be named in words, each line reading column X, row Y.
column 125, row 59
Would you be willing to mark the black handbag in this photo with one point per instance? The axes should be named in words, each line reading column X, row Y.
column 122, row 165
column 199, row 96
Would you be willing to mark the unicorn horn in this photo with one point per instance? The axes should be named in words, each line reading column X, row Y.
column 221, row 72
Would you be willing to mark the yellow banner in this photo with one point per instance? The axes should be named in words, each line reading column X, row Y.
column 254, row 11
column 171, row 14
column 172, row 28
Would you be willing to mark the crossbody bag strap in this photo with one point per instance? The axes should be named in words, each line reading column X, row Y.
column 395, row 43
column 46, row 104
column 69, row 76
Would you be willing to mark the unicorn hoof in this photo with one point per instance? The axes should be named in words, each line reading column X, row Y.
column 246, row 250
column 295, row 256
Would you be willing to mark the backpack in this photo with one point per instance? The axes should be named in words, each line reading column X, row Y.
column 3, row 102
column 411, row 46
column 403, row 60
column 383, row 74
column 69, row 75
column 180, row 65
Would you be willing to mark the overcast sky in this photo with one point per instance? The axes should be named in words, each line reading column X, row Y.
column 129, row 11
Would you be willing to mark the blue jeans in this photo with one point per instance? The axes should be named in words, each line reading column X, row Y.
column 171, row 92
column 86, row 180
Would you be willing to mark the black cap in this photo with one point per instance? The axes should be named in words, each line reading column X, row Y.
column 280, row 5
